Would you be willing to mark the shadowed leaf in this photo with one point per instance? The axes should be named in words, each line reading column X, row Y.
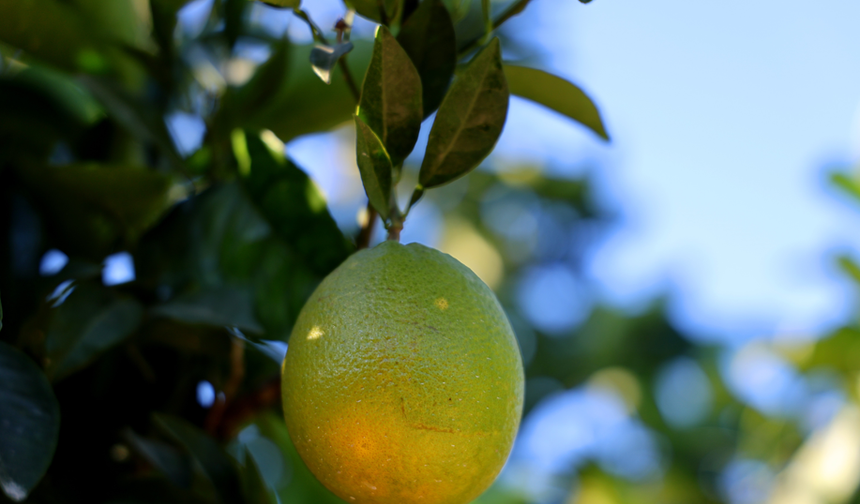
column 429, row 39
column 29, row 423
column 469, row 120
column 391, row 97
column 218, row 467
column 89, row 321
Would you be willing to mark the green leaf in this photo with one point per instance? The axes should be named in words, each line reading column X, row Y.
column 294, row 206
column 218, row 467
column 89, row 321
column 230, row 306
column 234, row 11
column 849, row 266
column 306, row 104
column 256, row 94
column 292, row 4
column 29, row 423
column 371, row 9
column 429, row 39
column 253, row 485
column 458, row 8
column 557, row 94
column 391, row 97
column 375, row 168
column 847, row 183
column 96, row 209
column 469, row 121
column 167, row 459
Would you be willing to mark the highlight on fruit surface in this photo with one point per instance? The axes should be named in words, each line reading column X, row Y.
column 403, row 381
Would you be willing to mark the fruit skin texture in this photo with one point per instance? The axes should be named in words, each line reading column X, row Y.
column 403, row 381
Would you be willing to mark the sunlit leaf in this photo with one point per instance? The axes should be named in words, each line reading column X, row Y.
column 88, row 322
column 29, row 423
column 375, row 167
column 391, row 97
column 218, row 467
column 847, row 183
column 429, row 39
column 850, row 266
column 294, row 206
column 469, row 121
column 557, row 94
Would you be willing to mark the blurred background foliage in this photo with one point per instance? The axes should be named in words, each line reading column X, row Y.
column 148, row 288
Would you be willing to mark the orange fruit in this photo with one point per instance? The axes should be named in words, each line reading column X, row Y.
column 403, row 381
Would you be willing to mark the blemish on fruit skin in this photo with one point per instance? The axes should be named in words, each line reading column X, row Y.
column 315, row 333
column 441, row 303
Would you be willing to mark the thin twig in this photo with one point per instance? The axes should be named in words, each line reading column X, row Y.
column 350, row 82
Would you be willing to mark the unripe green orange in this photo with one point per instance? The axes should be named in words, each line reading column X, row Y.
column 403, row 381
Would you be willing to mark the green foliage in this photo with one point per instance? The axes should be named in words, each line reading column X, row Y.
column 29, row 423
column 469, row 121
column 228, row 241
column 375, row 167
column 556, row 94
column 429, row 39
column 390, row 102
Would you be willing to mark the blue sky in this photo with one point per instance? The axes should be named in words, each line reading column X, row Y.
column 726, row 117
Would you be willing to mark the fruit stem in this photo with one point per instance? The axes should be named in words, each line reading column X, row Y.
column 394, row 232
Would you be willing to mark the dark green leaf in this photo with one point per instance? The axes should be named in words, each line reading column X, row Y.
column 323, row 58
column 469, row 121
column 307, row 105
column 255, row 489
column 371, row 9
column 375, row 167
column 458, row 8
column 95, row 209
column 294, row 206
column 218, row 467
column 391, row 97
column 557, row 94
column 219, row 239
column 167, row 459
column 89, row 321
column 292, row 4
column 132, row 112
column 257, row 93
column 428, row 38
column 234, row 11
column 230, row 306
column 29, row 423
